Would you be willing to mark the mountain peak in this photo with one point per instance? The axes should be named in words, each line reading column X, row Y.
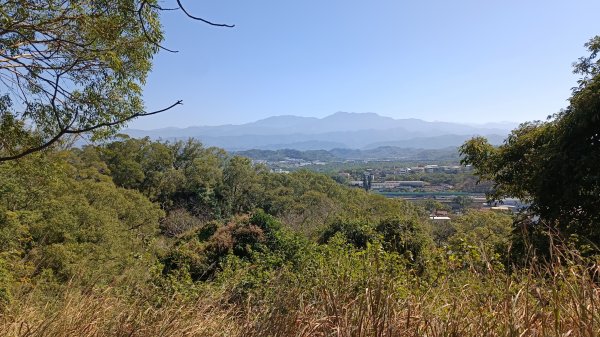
column 354, row 114
column 341, row 129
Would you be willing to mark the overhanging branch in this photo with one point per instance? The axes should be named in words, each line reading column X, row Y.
column 67, row 130
column 201, row 19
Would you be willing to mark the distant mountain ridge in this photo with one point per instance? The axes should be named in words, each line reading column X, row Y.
column 339, row 130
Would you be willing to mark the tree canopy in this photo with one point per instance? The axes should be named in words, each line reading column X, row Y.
column 553, row 164
column 69, row 67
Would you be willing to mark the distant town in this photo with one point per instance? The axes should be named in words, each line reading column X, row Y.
column 444, row 189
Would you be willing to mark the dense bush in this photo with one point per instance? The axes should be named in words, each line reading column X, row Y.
column 63, row 220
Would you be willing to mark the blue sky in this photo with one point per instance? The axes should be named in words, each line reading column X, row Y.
column 462, row 61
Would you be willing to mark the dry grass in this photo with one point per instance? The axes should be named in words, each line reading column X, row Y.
column 556, row 300
column 566, row 306
column 106, row 315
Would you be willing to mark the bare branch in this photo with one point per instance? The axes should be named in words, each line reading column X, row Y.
column 65, row 131
column 201, row 19
column 162, row 8
column 120, row 121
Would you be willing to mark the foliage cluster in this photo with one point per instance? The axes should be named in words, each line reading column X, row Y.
column 71, row 67
column 157, row 211
column 553, row 164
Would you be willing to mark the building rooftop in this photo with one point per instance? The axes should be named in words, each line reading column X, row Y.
column 439, row 218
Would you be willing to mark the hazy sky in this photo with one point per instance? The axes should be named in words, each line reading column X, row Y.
column 464, row 61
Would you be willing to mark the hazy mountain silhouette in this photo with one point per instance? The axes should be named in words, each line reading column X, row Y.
column 340, row 130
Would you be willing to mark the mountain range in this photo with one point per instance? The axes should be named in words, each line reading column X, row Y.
column 339, row 130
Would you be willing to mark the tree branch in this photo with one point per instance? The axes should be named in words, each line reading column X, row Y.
column 139, row 13
column 201, row 19
column 65, row 131
column 142, row 114
column 63, row 63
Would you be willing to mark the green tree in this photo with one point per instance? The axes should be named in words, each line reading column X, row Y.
column 463, row 201
column 489, row 230
column 62, row 217
column 203, row 177
column 241, row 189
column 432, row 205
column 70, row 67
column 181, row 175
column 405, row 236
column 553, row 164
column 138, row 163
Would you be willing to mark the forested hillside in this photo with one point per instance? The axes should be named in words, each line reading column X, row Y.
column 139, row 238
column 132, row 206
